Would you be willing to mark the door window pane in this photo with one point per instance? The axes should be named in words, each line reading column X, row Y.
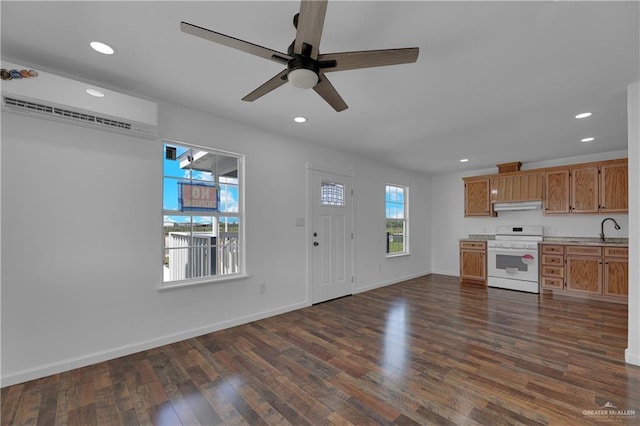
column 331, row 194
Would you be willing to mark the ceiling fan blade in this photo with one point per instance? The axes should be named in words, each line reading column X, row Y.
column 325, row 89
column 235, row 43
column 310, row 23
column 274, row 83
column 367, row 59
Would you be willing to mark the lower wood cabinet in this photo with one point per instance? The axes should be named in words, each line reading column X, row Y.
column 616, row 271
column 580, row 270
column 473, row 262
column 552, row 266
column 584, row 269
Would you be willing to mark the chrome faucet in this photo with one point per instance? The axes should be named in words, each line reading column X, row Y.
column 615, row 224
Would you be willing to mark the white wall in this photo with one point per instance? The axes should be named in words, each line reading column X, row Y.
column 449, row 224
column 632, row 354
column 82, row 235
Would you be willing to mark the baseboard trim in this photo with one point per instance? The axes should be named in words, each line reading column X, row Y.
column 631, row 358
column 83, row 361
column 390, row 282
column 448, row 273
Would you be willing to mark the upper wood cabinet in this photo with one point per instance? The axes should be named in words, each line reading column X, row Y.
column 584, row 190
column 517, row 187
column 477, row 200
column 557, row 190
column 598, row 187
column 614, row 181
column 590, row 188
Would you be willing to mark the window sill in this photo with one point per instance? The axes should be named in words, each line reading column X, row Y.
column 205, row 281
column 392, row 255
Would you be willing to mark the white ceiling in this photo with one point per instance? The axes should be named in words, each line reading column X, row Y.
column 495, row 82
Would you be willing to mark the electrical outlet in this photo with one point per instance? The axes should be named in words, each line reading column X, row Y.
column 263, row 288
column 552, row 230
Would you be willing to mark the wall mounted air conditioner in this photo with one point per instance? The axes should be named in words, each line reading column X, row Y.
column 45, row 95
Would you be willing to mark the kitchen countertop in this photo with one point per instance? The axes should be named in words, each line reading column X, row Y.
column 479, row 237
column 586, row 241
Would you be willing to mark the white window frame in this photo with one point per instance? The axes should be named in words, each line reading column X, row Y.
column 405, row 220
column 240, row 215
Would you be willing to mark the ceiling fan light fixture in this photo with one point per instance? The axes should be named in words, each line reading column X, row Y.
column 302, row 78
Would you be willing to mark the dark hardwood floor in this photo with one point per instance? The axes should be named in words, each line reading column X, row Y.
column 425, row 351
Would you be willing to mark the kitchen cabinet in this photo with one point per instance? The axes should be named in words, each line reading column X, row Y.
column 477, row 200
column 587, row 188
column 473, row 261
column 584, row 269
column 614, row 181
column 557, row 190
column 590, row 188
column 552, row 266
column 517, row 187
column 598, row 272
column 584, row 189
column 616, row 271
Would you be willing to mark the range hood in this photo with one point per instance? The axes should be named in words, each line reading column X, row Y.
column 519, row 205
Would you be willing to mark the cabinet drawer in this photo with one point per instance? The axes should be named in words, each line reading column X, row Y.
column 552, row 249
column 552, row 271
column 616, row 252
column 549, row 282
column 473, row 245
column 552, row 259
column 584, row 250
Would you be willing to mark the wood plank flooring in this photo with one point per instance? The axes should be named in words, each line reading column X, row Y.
column 425, row 351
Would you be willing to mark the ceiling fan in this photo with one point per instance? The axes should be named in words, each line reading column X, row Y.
column 306, row 67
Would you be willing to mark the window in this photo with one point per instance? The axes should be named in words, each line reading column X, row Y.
column 396, row 219
column 202, row 214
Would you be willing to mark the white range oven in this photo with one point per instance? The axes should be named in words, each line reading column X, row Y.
column 512, row 258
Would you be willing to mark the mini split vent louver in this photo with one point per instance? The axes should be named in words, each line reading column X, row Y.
column 61, row 99
column 65, row 113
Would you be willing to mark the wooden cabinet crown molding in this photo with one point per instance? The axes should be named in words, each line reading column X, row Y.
column 550, row 169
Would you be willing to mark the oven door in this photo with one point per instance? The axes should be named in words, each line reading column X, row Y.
column 514, row 264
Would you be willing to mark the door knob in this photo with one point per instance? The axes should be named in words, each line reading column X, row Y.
column 316, row 244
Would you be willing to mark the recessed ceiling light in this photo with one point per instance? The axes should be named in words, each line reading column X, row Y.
column 300, row 119
column 587, row 140
column 102, row 48
column 584, row 115
column 464, row 160
column 96, row 93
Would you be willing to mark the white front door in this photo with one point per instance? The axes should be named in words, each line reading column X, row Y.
column 331, row 236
